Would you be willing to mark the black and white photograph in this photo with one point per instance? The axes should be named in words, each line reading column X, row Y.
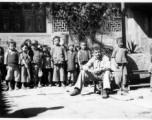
column 76, row 59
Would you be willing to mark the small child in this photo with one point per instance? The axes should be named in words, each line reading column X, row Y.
column 84, row 56
column 11, row 59
column 1, row 65
column 47, row 67
column 119, row 57
column 58, row 54
column 77, row 49
column 71, row 65
column 24, row 61
column 37, row 65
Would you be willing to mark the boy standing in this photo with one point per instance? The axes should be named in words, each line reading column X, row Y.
column 11, row 59
column 71, row 65
column 36, row 65
column 119, row 56
column 47, row 66
column 84, row 56
column 58, row 54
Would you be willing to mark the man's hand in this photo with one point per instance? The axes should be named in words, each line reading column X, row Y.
column 85, row 68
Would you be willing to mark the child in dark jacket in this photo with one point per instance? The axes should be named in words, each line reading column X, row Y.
column 47, row 67
column 37, row 65
column 84, row 56
column 71, row 65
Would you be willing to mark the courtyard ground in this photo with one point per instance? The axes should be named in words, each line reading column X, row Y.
column 55, row 102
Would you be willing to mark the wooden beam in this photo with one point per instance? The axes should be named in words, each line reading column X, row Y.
column 123, row 24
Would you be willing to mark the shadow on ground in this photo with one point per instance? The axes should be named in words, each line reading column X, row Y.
column 6, row 106
column 30, row 112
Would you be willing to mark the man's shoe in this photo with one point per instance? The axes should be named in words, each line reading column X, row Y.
column 75, row 92
column 105, row 94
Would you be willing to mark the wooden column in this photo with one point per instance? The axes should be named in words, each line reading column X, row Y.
column 123, row 24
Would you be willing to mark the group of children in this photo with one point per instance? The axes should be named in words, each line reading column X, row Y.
column 38, row 66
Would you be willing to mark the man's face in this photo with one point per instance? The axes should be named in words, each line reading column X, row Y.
column 56, row 41
column 11, row 46
column 83, row 46
column 97, row 53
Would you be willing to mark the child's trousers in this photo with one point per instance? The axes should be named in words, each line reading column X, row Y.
column 121, row 75
column 35, row 71
column 58, row 73
column 25, row 74
column 13, row 73
column 72, row 76
column 47, row 76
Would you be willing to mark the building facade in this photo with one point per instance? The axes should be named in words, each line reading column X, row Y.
column 21, row 22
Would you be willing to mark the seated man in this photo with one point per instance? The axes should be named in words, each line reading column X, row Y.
column 100, row 71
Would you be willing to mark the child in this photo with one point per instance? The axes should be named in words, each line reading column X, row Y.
column 119, row 57
column 24, row 61
column 84, row 56
column 1, row 65
column 77, row 49
column 59, row 57
column 71, row 65
column 36, row 65
column 47, row 67
column 11, row 59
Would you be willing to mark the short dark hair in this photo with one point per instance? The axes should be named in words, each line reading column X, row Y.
column 24, row 44
column 27, row 40
column 11, row 41
column 56, row 37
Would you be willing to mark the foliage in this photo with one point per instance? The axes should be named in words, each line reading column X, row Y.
column 84, row 20
column 132, row 48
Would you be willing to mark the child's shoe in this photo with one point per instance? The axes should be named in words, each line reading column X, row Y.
column 57, row 84
column 10, row 89
column 40, row 86
column 62, row 84
column 16, row 88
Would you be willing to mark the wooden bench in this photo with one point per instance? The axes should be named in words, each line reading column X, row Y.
column 138, row 72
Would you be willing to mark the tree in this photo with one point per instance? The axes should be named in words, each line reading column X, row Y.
column 85, row 19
